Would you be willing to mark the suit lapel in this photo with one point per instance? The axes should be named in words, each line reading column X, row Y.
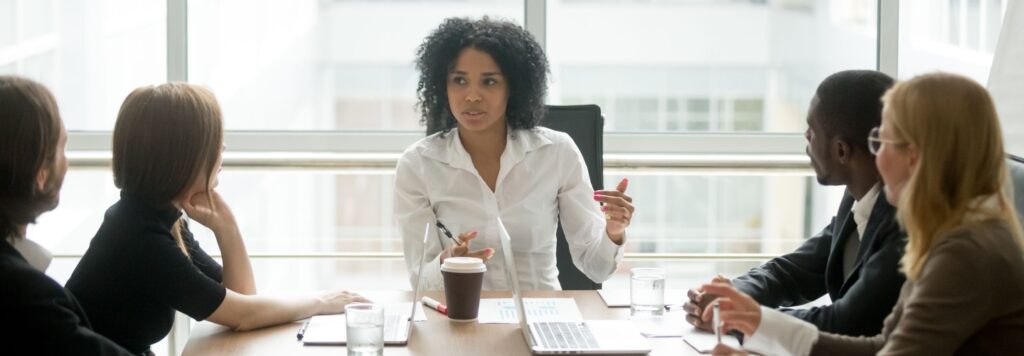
column 844, row 225
column 879, row 226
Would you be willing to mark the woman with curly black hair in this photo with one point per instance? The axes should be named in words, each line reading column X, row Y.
column 482, row 86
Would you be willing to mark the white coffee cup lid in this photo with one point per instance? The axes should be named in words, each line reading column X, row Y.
column 463, row 265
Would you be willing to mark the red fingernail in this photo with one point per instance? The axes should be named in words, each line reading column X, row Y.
column 604, row 208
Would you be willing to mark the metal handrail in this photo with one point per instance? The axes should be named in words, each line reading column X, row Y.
column 637, row 256
column 385, row 162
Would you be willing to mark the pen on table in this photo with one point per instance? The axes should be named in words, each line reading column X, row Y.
column 302, row 330
column 436, row 305
column 448, row 233
column 717, row 323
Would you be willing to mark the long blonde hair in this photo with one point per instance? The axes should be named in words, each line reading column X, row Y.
column 952, row 122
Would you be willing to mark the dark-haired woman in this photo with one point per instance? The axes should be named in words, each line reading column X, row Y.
column 143, row 264
column 39, row 316
column 482, row 84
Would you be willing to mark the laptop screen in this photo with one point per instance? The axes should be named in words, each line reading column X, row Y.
column 513, row 278
column 419, row 273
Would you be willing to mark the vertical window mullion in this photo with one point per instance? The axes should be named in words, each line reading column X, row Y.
column 887, row 37
column 535, row 20
column 177, row 40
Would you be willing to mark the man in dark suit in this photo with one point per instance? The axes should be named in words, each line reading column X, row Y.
column 855, row 259
column 39, row 316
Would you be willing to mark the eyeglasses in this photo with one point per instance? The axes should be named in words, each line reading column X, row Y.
column 875, row 141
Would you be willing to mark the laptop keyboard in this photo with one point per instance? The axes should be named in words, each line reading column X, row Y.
column 565, row 335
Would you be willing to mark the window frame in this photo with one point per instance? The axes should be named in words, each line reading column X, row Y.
column 380, row 149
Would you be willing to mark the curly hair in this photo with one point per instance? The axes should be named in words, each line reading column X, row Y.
column 520, row 57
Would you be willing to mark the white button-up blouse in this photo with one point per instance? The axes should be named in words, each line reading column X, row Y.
column 542, row 178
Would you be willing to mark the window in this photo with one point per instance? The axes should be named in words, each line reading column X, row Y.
column 956, row 36
column 700, row 66
column 673, row 77
column 1005, row 79
column 857, row 13
column 314, row 65
column 663, row 67
column 304, row 213
column 730, row 67
column 91, row 54
column 726, row 67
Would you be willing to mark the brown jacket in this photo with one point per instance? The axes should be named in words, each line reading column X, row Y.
column 968, row 300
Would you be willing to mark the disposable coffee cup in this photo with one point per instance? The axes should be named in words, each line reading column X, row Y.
column 463, row 278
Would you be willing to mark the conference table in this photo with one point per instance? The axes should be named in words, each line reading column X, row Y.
column 435, row 336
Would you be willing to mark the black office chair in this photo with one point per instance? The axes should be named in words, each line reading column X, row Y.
column 585, row 125
column 1016, row 168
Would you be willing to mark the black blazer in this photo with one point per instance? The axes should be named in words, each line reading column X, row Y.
column 859, row 303
column 41, row 317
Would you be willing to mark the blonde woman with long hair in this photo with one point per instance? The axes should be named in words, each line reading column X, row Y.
column 144, row 264
column 940, row 152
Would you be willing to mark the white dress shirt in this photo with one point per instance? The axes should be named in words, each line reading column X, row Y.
column 781, row 334
column 861, row 214
column 542, row 178
column 35, row 254
column 863, row 207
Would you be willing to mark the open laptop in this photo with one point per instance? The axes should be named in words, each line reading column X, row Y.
column 559, row 337
column 330, row 329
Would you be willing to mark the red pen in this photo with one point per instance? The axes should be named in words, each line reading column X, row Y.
column 436, row 305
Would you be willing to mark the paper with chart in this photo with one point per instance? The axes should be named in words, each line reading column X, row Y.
column 503, row 311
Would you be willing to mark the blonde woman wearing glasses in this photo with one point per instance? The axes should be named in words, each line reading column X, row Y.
column 940, row 152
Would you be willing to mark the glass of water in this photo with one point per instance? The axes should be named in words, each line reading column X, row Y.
column 365, row 327
column 647, row 292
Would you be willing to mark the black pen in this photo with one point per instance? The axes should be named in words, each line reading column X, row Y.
column 302, row 330
column 448, row 233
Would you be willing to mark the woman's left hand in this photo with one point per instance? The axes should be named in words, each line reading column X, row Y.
column 216, row 217
column 618, row 209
